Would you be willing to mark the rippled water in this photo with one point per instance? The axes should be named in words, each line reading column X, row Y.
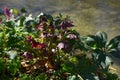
column 89, row 16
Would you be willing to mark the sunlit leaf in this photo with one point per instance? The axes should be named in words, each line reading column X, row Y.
column 73, row 77
column 1, row 38
column 12, row 54
column 113, row 43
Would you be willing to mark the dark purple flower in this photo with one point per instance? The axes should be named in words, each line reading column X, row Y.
column 65, row 24
column 67, row 46
column 7, row 13
column 52, row 28
column 27, row 55
column 43, row 19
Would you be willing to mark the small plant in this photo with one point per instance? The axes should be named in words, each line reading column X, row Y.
column 100, row 49
column 47, row 47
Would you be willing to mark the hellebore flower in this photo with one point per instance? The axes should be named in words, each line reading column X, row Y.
column 42, row 35
column 59, row 36
column 71, row 36
column 63, row 45
column 49, row 35
column 40, row 46
column 43, row 18
column 37, row 45
column 52, row 28
column 27, row 55
column 65, row 24
column 60, row 45
column 29, row 38
column 67, row 46
column 39, row 27
column 33, row 44
column 7, row 13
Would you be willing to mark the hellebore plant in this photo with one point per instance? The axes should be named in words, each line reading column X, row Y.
column 50, row 38
column 45, row 47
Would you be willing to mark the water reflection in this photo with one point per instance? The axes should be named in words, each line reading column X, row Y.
column 89, row 15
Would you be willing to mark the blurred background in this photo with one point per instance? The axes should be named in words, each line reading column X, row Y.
column 89, row 16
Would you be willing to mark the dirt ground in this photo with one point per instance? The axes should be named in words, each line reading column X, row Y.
column 115, row 68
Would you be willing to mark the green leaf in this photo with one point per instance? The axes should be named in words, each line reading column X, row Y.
column 22, row 19
column 101, row 39
column 102, row 36
column 113, row 43
column 90, row 40
column 50, row 18
column 101, row 59
column 73, row 77
column 23, row 10
column 14, row 66
column 2, row 64
column 10, row 24
column 29, row 26
column 68, row 67
column 1, row 38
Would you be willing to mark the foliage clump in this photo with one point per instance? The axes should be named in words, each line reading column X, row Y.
column 46, row 48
